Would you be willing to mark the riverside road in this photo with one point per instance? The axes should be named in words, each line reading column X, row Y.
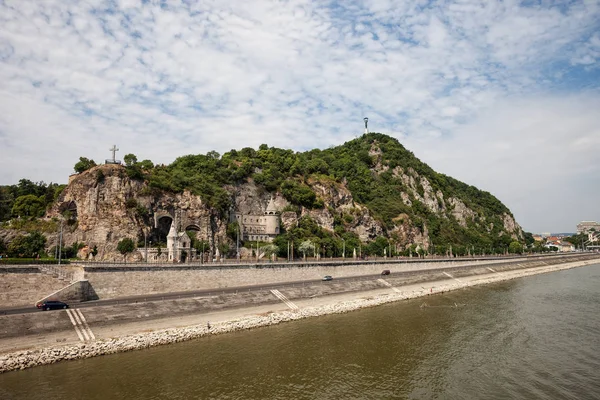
column 283, row 285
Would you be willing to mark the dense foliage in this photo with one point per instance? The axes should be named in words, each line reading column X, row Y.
column 126, row 246
column 29, row 246
column 375, row 168
column 27, row 199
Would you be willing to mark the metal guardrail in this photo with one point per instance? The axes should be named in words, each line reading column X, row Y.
column 322, row 261
column 31, row 261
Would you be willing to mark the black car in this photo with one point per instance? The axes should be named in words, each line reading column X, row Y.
column 51, row 305
column 327, row 278
column 385, row 272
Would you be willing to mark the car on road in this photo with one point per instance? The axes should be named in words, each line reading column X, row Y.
column 51, row 305
column 327, row 278
column 385, row 272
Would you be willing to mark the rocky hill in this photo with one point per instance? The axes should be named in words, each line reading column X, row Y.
column 370, row 193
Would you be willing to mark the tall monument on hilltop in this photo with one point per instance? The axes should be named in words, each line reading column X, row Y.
column 366, row 122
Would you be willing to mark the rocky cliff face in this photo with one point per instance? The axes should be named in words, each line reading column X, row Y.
column 103, row 205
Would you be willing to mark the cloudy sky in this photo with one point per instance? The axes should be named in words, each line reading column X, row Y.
column 504, row 95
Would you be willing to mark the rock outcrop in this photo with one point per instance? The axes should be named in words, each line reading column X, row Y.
column 402, row 199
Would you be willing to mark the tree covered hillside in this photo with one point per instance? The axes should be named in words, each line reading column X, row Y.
column 413, row 206
column 369, row 166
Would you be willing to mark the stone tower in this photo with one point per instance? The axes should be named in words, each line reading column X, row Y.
column 271, row 219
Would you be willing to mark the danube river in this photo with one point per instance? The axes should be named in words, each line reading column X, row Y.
column 531, row 338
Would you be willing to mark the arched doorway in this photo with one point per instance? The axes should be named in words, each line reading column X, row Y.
column 162, row 228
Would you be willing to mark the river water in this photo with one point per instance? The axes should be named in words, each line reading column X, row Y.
column 532, row 338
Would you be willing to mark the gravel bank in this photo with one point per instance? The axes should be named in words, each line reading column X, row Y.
column 26, row 359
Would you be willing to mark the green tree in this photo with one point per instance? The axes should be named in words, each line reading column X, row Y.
column 28, row 206
column 515, row 248
column 84, row 164
column 577, row 240
column 233, row 231
column 27, row 246
column 94, row 251
column 6, row 202
column 146, row 164
column 130, row 159
column 376, row 247
column 125, row 247
column 306, row 246
column 269, row 249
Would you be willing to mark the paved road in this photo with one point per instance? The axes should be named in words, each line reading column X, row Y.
column 208, row 292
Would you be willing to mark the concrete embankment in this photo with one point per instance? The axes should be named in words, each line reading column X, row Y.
column 129, row 337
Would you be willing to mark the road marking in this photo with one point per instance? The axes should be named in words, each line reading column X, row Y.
column 75, row 325
column 448, row 275
column 491, row 269
column 76, row 316
column 86, row 324
column 386, row 283
column 80, row 324
column 281, row 297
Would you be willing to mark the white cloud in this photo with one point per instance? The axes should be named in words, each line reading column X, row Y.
column 166, row 80
column 538, row 154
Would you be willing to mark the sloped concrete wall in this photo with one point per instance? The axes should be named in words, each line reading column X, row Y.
column 74, row 292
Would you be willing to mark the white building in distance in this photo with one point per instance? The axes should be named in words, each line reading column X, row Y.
column 587, row 226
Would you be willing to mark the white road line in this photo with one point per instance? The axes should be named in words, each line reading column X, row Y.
column 85, row 324
column 386, row 283
column 75, row 325
column 281, row 297
column 491, row 269
column 76, row 316
column 448, row 275
column 284, row 299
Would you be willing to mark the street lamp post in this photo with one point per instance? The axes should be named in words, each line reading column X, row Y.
column 60, row 242
column 237, row 244
column 344, row 249
column 145, row 247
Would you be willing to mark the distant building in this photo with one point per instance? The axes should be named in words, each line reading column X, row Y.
column 560, row 245
column 586, row 226
column 258, row 227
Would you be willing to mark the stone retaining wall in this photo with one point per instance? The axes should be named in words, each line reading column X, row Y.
column 119, row 281
column 24, row 285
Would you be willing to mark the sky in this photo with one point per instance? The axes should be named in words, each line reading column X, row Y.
column 503, row 95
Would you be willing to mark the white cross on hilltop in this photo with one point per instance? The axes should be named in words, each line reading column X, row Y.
column 114, row 149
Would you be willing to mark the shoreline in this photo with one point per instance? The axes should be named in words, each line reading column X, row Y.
column 335, row 304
